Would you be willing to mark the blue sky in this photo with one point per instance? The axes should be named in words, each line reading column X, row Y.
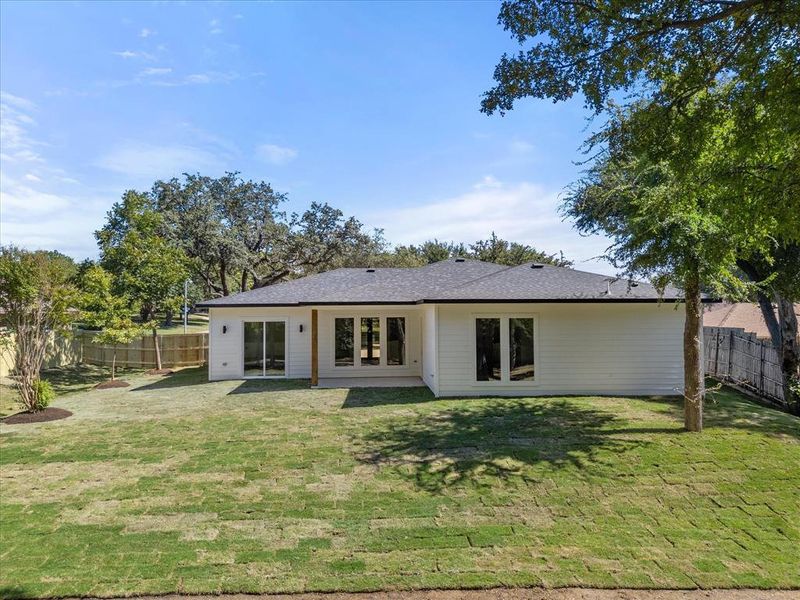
column 371, row 107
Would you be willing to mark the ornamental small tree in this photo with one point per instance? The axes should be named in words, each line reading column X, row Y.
column 36, row 298
column 99, row 302
column 117, row 332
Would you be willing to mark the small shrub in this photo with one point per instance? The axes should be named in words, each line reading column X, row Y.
column 44, row 393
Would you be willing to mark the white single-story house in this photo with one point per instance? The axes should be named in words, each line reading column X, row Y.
column 463, row 327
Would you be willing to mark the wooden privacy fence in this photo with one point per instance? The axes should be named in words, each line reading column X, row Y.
column 61, row 350
column 177, row 350
column 739, row 357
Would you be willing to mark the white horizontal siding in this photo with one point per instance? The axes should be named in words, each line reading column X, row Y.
column 226, row 351
column 580, row 349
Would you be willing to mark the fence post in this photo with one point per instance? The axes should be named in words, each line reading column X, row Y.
column 761, row 369
column 716, row 353
column 730, row 354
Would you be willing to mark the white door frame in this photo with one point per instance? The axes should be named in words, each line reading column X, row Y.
column 265, row 320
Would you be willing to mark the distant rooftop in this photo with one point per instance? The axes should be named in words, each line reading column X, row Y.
column 741, row 315
column 449, row 281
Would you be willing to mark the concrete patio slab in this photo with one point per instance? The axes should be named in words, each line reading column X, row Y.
column 370, row 382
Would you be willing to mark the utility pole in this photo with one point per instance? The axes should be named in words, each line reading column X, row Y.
column 185, row 304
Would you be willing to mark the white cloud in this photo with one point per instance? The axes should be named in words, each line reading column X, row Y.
column 18, row 144
column 198, row 78
column 155, row 71
column 522, row 212
column 276, row 155
column 209, row 77
column 164, row 77
column 34, row 210
column 36, row 219
column 40, row 222
column 150, row 161
column 146, row 33
column 488, row 181
column 18, row 198
column 215, row 28
column 17, row 102
column 130, row 54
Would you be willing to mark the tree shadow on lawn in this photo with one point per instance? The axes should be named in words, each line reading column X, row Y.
column 12, row 592
column 477, row 440
column 75, row 378
column 185, row 377
column 369, row 397
column 727, row 408
column 255, row 386
column 484, row 441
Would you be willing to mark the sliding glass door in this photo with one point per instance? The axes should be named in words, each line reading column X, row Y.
column 265, row 348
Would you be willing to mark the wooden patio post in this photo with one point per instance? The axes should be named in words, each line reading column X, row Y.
column 314, row 348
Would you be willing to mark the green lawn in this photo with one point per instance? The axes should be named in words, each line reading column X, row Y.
column 177, row 485
column 65, row 380
column 194, row 324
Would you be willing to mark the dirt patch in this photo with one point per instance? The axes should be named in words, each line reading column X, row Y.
column 160, row 372
column 111, row 383
column 59, row 481
column 48, row 414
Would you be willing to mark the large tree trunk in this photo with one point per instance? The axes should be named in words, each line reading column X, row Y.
column 789, row 352
column 168, row 315
column 31, row 345
column 244, row 280
column 145, row 313
column 782, row 331
column 157, row 348
column 693, row 373
column 223, row 277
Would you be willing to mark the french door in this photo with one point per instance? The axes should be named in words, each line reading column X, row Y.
column 265, row 348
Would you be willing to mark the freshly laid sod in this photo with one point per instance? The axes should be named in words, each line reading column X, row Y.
column 178, row 485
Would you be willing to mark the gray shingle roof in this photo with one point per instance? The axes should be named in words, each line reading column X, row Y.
column 451, row 280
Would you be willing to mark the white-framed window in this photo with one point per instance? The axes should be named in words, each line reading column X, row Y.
column 504, row 349
column 365, row 341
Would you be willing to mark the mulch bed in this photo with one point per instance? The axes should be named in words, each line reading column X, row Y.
column 111, row 383
column 48, row 414
column 160, row 372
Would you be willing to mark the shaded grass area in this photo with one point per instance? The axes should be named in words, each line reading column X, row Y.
column 179, row 485
column 65, row 380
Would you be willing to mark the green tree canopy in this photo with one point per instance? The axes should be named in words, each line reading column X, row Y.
column 117, row 331
column 493, row 249
column 702, row 156
column 687, row 220
column 99, row 302
column 661, row 51
column 37, row 299
column 149, row 269
column 234, row 232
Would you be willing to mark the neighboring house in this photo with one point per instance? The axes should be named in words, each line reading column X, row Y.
column 465, row 327
column 741, row 315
